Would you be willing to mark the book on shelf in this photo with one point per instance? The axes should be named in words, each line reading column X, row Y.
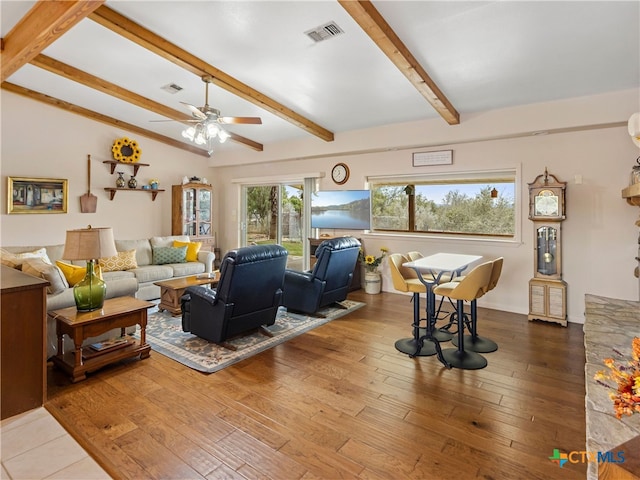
column 111, row 343
column 107, row 346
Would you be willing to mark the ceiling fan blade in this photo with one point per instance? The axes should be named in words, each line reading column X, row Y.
column 180, row 121
column 246, row 120
column 195, row 111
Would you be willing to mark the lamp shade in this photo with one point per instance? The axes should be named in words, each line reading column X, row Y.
column 89, row 243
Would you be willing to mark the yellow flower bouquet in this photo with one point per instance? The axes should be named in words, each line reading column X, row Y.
column 371, row 262
column 626, row 376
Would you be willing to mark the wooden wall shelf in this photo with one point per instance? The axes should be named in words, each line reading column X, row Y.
column 136, row 166
column 632, row 194
column 153, row 192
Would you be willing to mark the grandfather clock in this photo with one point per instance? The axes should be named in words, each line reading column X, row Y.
column 547, row 290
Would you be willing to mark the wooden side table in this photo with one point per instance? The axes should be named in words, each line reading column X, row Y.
column 119, row 312
column 171, row 291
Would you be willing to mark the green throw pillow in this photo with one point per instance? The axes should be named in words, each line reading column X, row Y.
column 162, row 255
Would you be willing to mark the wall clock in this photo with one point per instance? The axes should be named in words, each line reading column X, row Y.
column 340, row 173
column 546, row 198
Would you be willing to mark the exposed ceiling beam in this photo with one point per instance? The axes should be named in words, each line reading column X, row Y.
column 71, row 73
column 370, row 20
column 41, row 97
column 136, row 33
column 39, row 28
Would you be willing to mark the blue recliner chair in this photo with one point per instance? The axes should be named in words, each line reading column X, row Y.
column 329, row 280
column 248, row 294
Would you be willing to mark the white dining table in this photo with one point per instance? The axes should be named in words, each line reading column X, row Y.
column 430, row 270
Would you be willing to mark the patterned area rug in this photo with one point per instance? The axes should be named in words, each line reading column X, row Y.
column 165, row 335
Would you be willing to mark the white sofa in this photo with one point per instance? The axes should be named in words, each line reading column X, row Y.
column 138, row 282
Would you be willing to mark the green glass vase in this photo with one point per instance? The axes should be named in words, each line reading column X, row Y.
column 89, row 292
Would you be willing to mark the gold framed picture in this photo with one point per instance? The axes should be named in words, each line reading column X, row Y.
column 36, row 195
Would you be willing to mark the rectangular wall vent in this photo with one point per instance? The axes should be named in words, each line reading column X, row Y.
column 324, row 32
column 172, row 88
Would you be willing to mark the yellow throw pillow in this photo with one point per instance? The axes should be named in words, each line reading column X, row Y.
column 192, row 249
column 121, row 261
column 75, row 273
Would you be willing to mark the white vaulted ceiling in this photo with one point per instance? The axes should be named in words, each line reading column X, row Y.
column 481, row 55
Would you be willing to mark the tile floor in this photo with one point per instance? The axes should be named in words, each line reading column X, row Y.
column 34, row 446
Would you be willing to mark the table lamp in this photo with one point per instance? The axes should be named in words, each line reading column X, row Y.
column 89, row 244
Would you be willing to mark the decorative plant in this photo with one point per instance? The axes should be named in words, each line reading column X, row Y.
column 154, row 180
column 626, row 376
column 370, row 262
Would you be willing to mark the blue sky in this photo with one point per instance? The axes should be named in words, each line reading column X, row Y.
column 337, row 197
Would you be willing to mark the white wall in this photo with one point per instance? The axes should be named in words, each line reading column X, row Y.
column 600, row 238
column 42, row 141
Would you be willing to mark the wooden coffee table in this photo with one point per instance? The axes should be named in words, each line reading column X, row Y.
column 119, row 312
column 172, row 290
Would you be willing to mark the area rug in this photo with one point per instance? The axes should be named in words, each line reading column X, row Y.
column 164, row 334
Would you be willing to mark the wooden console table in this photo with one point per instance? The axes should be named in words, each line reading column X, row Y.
column 119, row 312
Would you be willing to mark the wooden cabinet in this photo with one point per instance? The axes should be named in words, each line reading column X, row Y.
column 356, row 282
column 23, row 300
column 191, row 213
column 547, row 300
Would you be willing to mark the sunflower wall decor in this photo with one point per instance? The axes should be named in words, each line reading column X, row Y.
column 126, row 150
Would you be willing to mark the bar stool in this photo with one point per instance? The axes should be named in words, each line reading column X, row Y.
column 406, row 280
column 468, row 289
column 474, row 342
column 441, row 334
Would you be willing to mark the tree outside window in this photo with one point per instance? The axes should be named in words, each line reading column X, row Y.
column 465, row 207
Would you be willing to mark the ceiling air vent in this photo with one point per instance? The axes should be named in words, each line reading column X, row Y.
column 172, row 88
column 324, row 32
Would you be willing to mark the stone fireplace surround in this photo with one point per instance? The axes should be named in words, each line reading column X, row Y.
column 609, row 323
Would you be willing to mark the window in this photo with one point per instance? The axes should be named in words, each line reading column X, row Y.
column 480, row 203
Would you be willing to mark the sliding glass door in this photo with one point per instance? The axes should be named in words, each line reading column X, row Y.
column 275, row 214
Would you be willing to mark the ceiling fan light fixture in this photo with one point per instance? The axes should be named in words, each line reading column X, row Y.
column 189, row 133
column 209, row 123
column 212, row 129
column 223, row 135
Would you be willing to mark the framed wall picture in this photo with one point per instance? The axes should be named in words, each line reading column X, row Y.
column 36, row 195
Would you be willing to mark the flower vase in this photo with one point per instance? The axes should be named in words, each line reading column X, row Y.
column 133, row 183
column 120, row 181
column 372, row 282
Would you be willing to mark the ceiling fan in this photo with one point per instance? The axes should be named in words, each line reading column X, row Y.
column 209, row 114
column 209, row 123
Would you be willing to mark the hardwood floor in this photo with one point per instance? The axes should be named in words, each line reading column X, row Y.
column 342, row 402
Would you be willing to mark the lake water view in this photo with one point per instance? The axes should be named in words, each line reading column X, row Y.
column 345, row 219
